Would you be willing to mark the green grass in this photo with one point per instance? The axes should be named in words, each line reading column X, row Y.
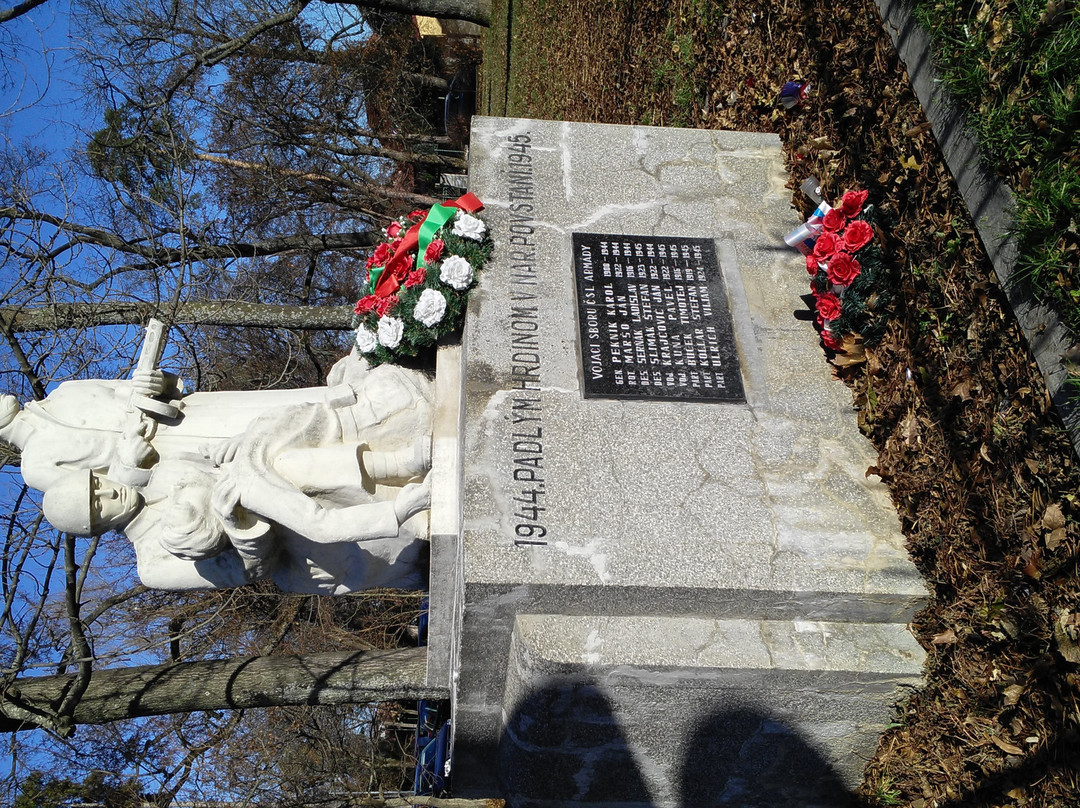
column 1015, row 68
column 601, row 57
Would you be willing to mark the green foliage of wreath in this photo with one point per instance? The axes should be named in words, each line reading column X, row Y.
column 417, row 337
column 865, row 303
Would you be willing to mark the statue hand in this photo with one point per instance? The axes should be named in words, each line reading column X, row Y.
column 133, row 449
column 225, row 499
column 414, row 497
column 148, row 382
column 225, row 451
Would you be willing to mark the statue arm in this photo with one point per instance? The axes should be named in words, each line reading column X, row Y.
column 291, row 508
column 252, row 537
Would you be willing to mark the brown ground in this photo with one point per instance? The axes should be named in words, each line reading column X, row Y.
column 980, row 470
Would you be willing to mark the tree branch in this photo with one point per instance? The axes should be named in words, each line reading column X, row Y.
column 17, row 10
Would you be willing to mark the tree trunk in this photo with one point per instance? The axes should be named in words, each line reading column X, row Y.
column 333, row 678
column 478, row 11
column 213, row 312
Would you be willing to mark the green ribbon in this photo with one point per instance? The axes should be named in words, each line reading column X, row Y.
column 373, row 278
column 423, row 233
column 436, row 218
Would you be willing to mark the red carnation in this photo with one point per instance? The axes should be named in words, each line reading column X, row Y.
column 828, row 305
column 811, row 265
column 842, row 269
column 857, row 235
column 393, row 230
column 833, row 221
column 379, row 257
column 385, row 304
column 832, row 342
column 365, row 304
column 434, row 251
column 395, row 244
column 418, row 215
column 825, row 245
column 416, row 277
column 852, row 203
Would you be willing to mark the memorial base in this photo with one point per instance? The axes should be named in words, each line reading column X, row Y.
column 657, row 597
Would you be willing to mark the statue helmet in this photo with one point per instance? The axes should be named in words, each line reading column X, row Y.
column 67, row 504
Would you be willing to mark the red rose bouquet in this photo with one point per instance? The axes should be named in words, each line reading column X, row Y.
column 848, row 276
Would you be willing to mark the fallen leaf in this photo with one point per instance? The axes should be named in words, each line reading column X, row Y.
column 917, row 130
column 1032, row 464
column 820, row 143
column 962, row 389
column 947, row 637
column 910, row 429
column 1030, row 560
column 852, row 352
column 1054, row 538
column 1066, row 644
column 909, row 163
column 984, row 452
column 1005, row 746
column 1013, row 694
column 1053, row 518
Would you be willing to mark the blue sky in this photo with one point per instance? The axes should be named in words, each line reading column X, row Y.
column 42, row 100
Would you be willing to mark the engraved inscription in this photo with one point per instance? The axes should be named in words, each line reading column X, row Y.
column 653, row 319
column 529, row 493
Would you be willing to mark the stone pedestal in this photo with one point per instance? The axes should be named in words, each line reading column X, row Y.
column 658, row 601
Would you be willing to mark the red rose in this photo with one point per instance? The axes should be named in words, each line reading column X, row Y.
column 833, row 221
column 418, row 215
column 393, row 230
column 857, row 235
column 365, row 304
column 842, row 269
column 379, row 257
column 385, row 304
column 434, row 251
column 852, row 203
column 828, row 305
column 825, row 245
column 832, row 342
column 811, row 265
column 416, row 277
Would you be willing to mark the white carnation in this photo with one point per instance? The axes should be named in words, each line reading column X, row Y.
column 456, row 272
column 468, row 226
column 430, row 307
column 390, row 331
column 365, row 340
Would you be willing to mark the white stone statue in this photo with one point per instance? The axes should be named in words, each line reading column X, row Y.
column 320, row 489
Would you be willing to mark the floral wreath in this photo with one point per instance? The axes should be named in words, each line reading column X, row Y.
column 848, row 276
column 418, row 280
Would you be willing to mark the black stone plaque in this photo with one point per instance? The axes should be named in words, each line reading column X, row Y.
column 654, row 319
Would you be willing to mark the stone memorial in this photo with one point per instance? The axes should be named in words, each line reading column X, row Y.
column 666, row 578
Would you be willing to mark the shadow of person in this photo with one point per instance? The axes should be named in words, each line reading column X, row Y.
column 564, row 744
column 567, row 742
column 746, row 758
